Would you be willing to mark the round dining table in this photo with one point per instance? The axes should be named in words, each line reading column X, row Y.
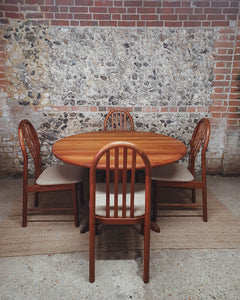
column 80, row 149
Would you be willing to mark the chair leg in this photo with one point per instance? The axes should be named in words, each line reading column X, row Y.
column 81, row 193
column 193, row 195
column 92, row 252
column 146, row 251
column 96, row 229
column 155, row 202
column 36, row 200
column 75, row 206
column 24, row 211
column 142, row 229
column 204, row 203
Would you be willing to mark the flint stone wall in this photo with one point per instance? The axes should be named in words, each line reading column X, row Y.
column 65, row 79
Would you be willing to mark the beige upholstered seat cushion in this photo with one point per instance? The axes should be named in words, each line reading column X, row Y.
column 62, row 174
column 172, row 172
column 139, row 199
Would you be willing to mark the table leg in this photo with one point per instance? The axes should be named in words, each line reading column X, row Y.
column 155, row 227
column 84, row 228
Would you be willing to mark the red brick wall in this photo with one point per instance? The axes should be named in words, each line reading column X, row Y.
column 3, row 81
column 232, row 144
column 224, row 112
column 234, row 111
column 184, row 13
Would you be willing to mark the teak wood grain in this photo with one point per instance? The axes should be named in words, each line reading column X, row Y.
column 80, row 149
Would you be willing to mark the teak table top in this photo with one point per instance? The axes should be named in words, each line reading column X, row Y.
column 80, row 149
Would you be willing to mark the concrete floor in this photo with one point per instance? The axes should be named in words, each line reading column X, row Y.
column 174, row 274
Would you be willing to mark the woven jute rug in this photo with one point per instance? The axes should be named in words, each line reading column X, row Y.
column 180, row 229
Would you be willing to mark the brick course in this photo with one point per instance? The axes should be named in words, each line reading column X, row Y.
column 185, row 13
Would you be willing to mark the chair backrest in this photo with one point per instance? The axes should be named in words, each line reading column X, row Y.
column 118, row 119
column 199, row 140
column 29, row 143
column 120, row 156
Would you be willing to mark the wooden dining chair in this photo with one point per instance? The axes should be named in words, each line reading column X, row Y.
column 118, row 119
column 119, row 203
column 179, row 176
column 55, row 178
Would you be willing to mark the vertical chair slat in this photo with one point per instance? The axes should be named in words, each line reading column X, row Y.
column 133, row 169
column 124, row 182
column 116, row 182
column 113, row 121
column 120, row 121
column 108, row 183
column 116, row 122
